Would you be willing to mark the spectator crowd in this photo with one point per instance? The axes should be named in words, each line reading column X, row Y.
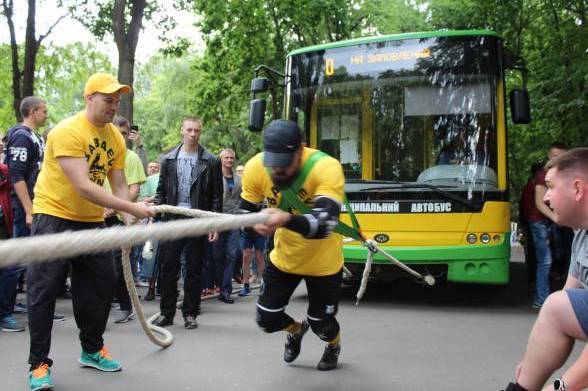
column 206, row 268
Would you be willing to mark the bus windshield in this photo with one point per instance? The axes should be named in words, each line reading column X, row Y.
column 414, row 110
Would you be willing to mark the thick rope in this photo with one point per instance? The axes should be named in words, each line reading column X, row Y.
column 364, row 278
column 70, row 244
column 373, row 248
column 147, row 325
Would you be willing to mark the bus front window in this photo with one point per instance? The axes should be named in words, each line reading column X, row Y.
column 416, row 110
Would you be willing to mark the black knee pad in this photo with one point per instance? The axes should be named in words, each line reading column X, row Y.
column 270, row 322
column 326, row 328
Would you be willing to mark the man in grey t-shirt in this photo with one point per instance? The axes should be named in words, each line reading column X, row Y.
column 190, row 177
column 186, row 163
column 564, row 315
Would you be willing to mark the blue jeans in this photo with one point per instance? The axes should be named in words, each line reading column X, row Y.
column 9, row 277
column 226, row 249
column 541, row 231
column 213, row 274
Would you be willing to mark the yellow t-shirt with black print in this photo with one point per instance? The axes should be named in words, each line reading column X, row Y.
column 292, row 252
column 103, row 148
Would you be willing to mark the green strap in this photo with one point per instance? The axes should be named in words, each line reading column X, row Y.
column 302, row 175
column 290, row 198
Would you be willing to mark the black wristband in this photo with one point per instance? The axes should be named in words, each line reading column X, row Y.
column 559, row 385
column 298, row 223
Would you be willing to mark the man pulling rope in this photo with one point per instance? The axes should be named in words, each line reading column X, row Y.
column 81, row 152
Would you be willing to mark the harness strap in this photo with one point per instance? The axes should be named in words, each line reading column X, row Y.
column 290, row 198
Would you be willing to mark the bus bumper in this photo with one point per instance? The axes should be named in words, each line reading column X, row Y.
column 482, row 264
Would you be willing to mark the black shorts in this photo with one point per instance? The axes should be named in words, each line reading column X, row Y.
column 278, row 287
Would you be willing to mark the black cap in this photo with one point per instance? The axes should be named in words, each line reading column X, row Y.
column 281, row 140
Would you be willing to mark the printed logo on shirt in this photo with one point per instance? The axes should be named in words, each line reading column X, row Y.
column 18, row 154
column 302, row 195
column 100, row 158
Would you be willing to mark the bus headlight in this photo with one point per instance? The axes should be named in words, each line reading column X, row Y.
column 471, row 238
column 485, row 238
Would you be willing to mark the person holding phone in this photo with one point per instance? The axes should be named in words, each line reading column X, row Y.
column 136, row 145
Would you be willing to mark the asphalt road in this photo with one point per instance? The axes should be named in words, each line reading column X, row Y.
column 401, row 337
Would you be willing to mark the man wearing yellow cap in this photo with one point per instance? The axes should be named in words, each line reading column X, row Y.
column 82, row 151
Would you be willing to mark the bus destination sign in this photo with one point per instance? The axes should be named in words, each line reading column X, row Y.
column 366, row 59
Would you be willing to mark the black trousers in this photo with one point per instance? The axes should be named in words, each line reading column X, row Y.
column 323, row 301
column 170, row 270
column 121, row 293
column 92, row 284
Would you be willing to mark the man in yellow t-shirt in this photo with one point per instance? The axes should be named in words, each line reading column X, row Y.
column 305, row 247
column 135, row 176
column 82, row 151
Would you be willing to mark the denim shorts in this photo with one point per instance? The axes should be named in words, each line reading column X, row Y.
column 579, row 299
column 250, row 241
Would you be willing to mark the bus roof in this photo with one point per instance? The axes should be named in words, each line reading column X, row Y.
column 393, row 37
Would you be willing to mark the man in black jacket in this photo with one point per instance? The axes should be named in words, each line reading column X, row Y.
column 190, row 177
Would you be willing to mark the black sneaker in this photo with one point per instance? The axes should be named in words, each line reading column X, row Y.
column 150, row 296
column 514, row 387
column 226, row 299
column 163, row 321
column 294, row 342
column 330, row 357
column 190, row 322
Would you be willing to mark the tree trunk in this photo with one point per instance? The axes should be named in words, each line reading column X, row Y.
column 126, row 66
column 126, row 39
column 7, row 10
column 31, row 47
column 23, row 82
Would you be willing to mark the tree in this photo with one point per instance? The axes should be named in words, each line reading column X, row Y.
column 241, row 35
column 123, row 19
column 23, row 78
column 62, row 73
column 60, row 77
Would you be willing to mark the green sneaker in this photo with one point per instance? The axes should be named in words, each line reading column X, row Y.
column 100, row 360
column 40, row 378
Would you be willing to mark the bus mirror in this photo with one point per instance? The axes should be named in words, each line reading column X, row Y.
column 256, row 115
column 520, row 108
column 259, row 84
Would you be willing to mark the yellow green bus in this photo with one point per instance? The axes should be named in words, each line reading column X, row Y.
column 418, row 122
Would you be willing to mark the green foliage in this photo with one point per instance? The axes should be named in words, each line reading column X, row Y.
column 398, row 16
column 96, row 16
column 162, row 92
column 243, row 34
column 6, row 111
column 61, row 73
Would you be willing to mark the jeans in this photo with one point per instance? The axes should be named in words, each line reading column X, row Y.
column 226, row 249
column 541, row 231
column 9, row 276
column 212, row 273
column 8, row 281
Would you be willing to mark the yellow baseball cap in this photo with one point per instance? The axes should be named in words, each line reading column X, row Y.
column 104, row 83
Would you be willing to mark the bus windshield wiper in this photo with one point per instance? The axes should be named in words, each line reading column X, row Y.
column 473, row 206
column 370, row 181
